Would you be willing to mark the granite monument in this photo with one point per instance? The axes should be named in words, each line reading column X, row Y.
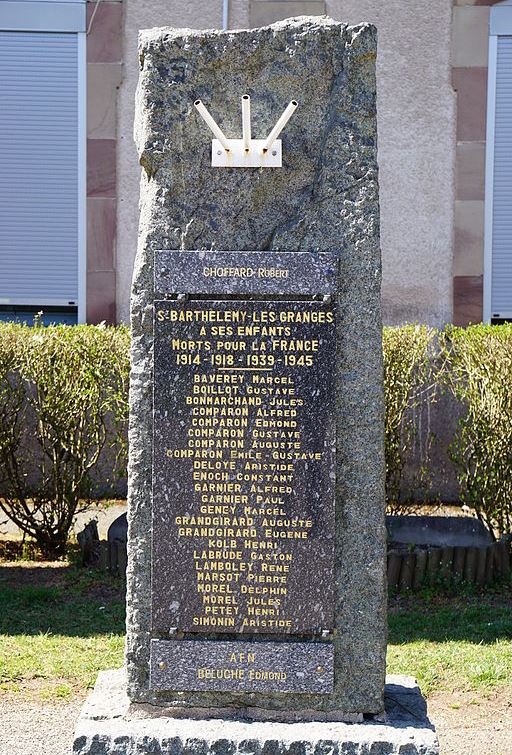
column 323, row 200
column 256, row 583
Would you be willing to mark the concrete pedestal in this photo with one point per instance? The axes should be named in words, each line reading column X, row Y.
column 109, row 725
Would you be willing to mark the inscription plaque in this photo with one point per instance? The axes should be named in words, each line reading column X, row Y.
column 188, row 665
column 243, row 483
column 299, row 273
column 243, row 473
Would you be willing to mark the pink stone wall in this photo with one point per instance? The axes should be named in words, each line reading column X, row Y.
column 106, row 40
column 104, row 63
column 470, row 36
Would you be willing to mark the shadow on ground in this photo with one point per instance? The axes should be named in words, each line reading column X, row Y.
column 78, row 602
column 478, row 619
column 59, row 599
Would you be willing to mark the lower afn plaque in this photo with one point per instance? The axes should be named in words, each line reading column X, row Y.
column 225, row 666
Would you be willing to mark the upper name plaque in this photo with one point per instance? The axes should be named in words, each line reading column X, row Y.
column 279, row 273
column 243, row 467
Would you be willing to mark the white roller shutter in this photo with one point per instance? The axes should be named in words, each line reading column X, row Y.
column 42, row 155
column 502, row 185
column 498, row 184
column 39, row 191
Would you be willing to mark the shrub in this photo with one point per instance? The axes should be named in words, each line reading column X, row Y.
column 64, row 406
column 63, row 402
column 479, row 373
column 409, row 384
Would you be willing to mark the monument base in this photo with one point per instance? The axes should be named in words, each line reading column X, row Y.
column 110, row 725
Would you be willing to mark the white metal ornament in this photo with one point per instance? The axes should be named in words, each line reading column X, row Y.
column 246, row 152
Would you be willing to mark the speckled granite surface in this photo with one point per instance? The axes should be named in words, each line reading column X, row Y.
column 325, row 198
column 109, row 725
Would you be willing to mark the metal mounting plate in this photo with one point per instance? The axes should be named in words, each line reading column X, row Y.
column 237, row 157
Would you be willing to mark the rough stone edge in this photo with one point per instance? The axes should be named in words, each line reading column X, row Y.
column 157, row 34
column 107, row 721
column 361, row 346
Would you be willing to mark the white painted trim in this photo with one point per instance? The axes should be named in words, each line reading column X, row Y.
column 42, row 16
column 48, row 1
column 82, row 177
column 41, row 301
column 500, row 20
column 489, row 176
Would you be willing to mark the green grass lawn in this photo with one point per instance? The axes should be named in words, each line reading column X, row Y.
column 60, row 625
column 453, row 643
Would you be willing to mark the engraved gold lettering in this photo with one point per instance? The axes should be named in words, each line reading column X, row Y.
column 241, row 451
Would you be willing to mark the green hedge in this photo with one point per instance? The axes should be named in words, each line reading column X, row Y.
column 64, row 410
column 474, row 366
column 63, row 405
column 478, row 372
column 409, row 384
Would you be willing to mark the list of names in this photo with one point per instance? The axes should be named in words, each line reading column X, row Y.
column 243, row 479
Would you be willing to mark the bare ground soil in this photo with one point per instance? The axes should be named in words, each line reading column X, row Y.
column 466, row 723
column 472, row 724
column 34, row 729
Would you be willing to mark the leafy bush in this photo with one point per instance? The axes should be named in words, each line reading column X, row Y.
column 478, row 371
column 409, row 384
column 63, row 402
column 64, row 410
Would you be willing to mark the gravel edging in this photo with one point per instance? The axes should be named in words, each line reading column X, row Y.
column 36, row 729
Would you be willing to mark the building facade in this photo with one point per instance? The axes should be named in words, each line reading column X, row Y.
column 69, row 250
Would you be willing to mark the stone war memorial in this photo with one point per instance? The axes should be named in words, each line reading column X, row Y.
column 256, row 587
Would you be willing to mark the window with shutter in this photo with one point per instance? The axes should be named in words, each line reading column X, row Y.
column 42, row 159
column 498, row 185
